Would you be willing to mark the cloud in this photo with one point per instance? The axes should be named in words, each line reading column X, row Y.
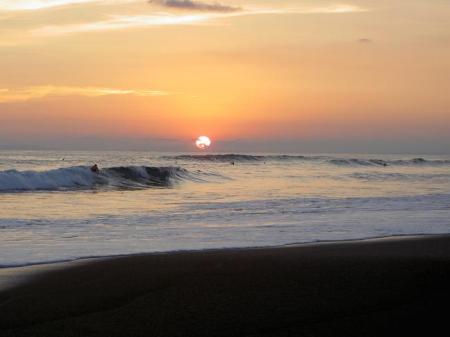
column 38, row 92
column 17, row 5
column 337, row 9
column 364, row 40
column 121, row 22
column 196, row 5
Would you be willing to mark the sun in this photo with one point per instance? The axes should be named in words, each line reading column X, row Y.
column 203, row 142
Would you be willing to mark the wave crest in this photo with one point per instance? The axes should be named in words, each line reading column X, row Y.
column 81, row 177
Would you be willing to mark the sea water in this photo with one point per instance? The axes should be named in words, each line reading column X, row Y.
column 54, row 208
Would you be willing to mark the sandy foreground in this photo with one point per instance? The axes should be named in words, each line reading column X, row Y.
column 390, row 287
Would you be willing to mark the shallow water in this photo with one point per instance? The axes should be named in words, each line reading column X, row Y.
column 52, row 207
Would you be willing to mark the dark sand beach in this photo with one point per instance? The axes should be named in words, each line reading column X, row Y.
column 389, row 287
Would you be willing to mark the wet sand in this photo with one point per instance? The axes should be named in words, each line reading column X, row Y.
column 391, row 287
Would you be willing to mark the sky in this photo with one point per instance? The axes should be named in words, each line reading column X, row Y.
column 257, row 75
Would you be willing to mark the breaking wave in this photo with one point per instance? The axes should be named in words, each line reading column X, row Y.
column 232, row 157
column 81, row 177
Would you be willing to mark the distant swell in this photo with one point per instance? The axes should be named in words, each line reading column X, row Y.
column 381, row 162
column 360, row 162
column 81, row 177
column 337, row 161
column 233, row 157
column 393, row 176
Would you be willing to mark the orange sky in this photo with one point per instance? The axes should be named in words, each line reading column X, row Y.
column 252, row 70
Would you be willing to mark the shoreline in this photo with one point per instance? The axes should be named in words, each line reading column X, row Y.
column 374, row 287
column 15, row 275
column 294, row 244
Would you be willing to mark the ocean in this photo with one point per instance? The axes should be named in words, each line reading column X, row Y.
column 53, row 208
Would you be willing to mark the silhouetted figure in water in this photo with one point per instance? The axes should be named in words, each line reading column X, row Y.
column 232, row 163
column 94, row 168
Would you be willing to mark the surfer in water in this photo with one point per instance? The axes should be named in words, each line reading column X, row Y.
column 94, row 169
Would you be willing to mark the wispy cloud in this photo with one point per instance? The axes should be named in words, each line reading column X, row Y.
column 364, row 40
column 17, row 5
column 195, row 5
column 37, row 92
column 331, row 9
column 120, row 22
column 338, row 9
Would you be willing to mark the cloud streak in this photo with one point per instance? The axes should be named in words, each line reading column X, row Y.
column 39, row 92
column 18, row 5
column 196, row 5
column 121, row 22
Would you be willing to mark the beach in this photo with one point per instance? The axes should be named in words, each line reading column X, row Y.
column 384, row 287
